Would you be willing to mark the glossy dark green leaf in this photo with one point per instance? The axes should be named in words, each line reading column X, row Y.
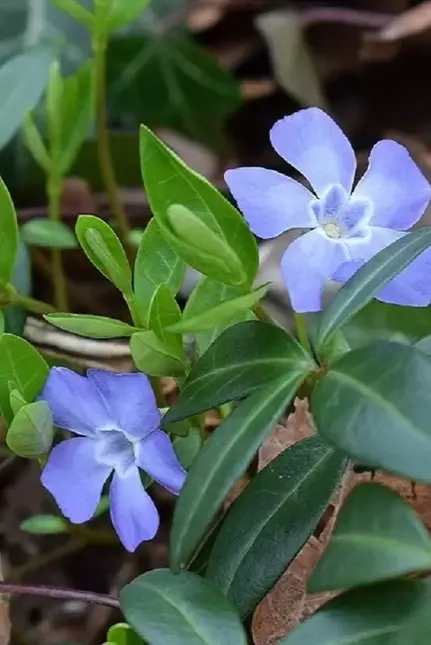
column 164, row 313
column 220, row 314
column 206, row 295
column 91, row 326
column 153, row 357
column 104, row 249
column 44, row 525
column 123, row 634
column 187, row 448
column 15, row 317
column 377, row 536
column 242, row 359
column 379, row 615
column 23, row 79
column 370, row 279
column 195, row 219
column 222, row 460
column 8, row 234
column 115, row 14
column 184, row 609
column 272, row 519
column 49, row 234
column 424, row 345
column 156, row 263
column 186, row 89
column 374, row 404
column 22, row 364
column 31, row 432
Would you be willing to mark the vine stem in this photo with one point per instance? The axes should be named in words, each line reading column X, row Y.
column 59, row 593
column 26, row 302
column 59, row 283
column 103, row 146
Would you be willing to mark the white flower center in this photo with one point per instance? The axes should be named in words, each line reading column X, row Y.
column 332, row 229
column 116, row 450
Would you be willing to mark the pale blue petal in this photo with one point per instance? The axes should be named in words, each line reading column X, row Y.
column 130, row 400
column 75, row 479
column 396, row 187
column 133, row 512
column 270, row 202
column 411, row 287
column 314, row 144
column 375, row 240
column 307, row 263
column 156, row 456
column 75, row 402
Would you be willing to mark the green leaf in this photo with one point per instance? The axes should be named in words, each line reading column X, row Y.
column 165, row 312
column 22, row 364
column 222, row 460
column 104, row 249
column 377, row 536
column 9, row 239
column 272, row 519
column 49, row 234
column 14, row 317
column 153, row 357
column 379, row 615
column 44, row 525
column 114, row 14
column 220, row 314
column 206, row 295
column 102, row 506
column 91, row 326
column 77, row 11
column 195, row 92
column 123, row 634
column 23, row 79
column 34, row 142
column 374, row 404
column 369, row 280
column 31, row 432
column 184, row 609
column 195, row 219
column 245, row 357
column 187, row 448
column 156, row 263
column 16, row 400
column 424, row 345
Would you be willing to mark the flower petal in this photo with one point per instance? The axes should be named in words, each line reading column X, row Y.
column 270, row 202
column 411, row 287
column 157, row 457
column 74, row 401
column 129, row 399
column 314, row 144
column 75, row 479
column 396, row 187
column 308, row 262
column 133, row 512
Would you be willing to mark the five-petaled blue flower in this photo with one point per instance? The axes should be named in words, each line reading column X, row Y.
column 118, row 418
column 348, row 228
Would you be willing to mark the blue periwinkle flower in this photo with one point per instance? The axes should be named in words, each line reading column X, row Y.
column 347, row 227
column 118, row 420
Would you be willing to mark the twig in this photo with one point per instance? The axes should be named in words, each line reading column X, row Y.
column 59, row 593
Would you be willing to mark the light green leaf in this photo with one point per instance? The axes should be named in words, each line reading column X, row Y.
column 77, row 11
column 31, row 432
column 385, row 614
column 184, row 609
column 23, row 79
column 165, row 312
column 123, row 634
column 22, row 364
column 16, row 400
column 44, row 525
column 103, row 248
column 369, row 280
column 220, row 314
column 377, row 397
column 222, row 460
column 91, row 326
column 153, row 357
column 9, row 239
column 185, row 205
column 242, row 359
column 377, row 536
column 114, row 14
column 156, row 263
column 272, row 519
column 34, row 142
column 424, row 345
column 49, row 234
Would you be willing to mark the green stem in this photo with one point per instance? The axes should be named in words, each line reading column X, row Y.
column 104, row 150
column 31, row 304
column 301, row 330
column 134, row 311
column 59, row 283
column 262, row 315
